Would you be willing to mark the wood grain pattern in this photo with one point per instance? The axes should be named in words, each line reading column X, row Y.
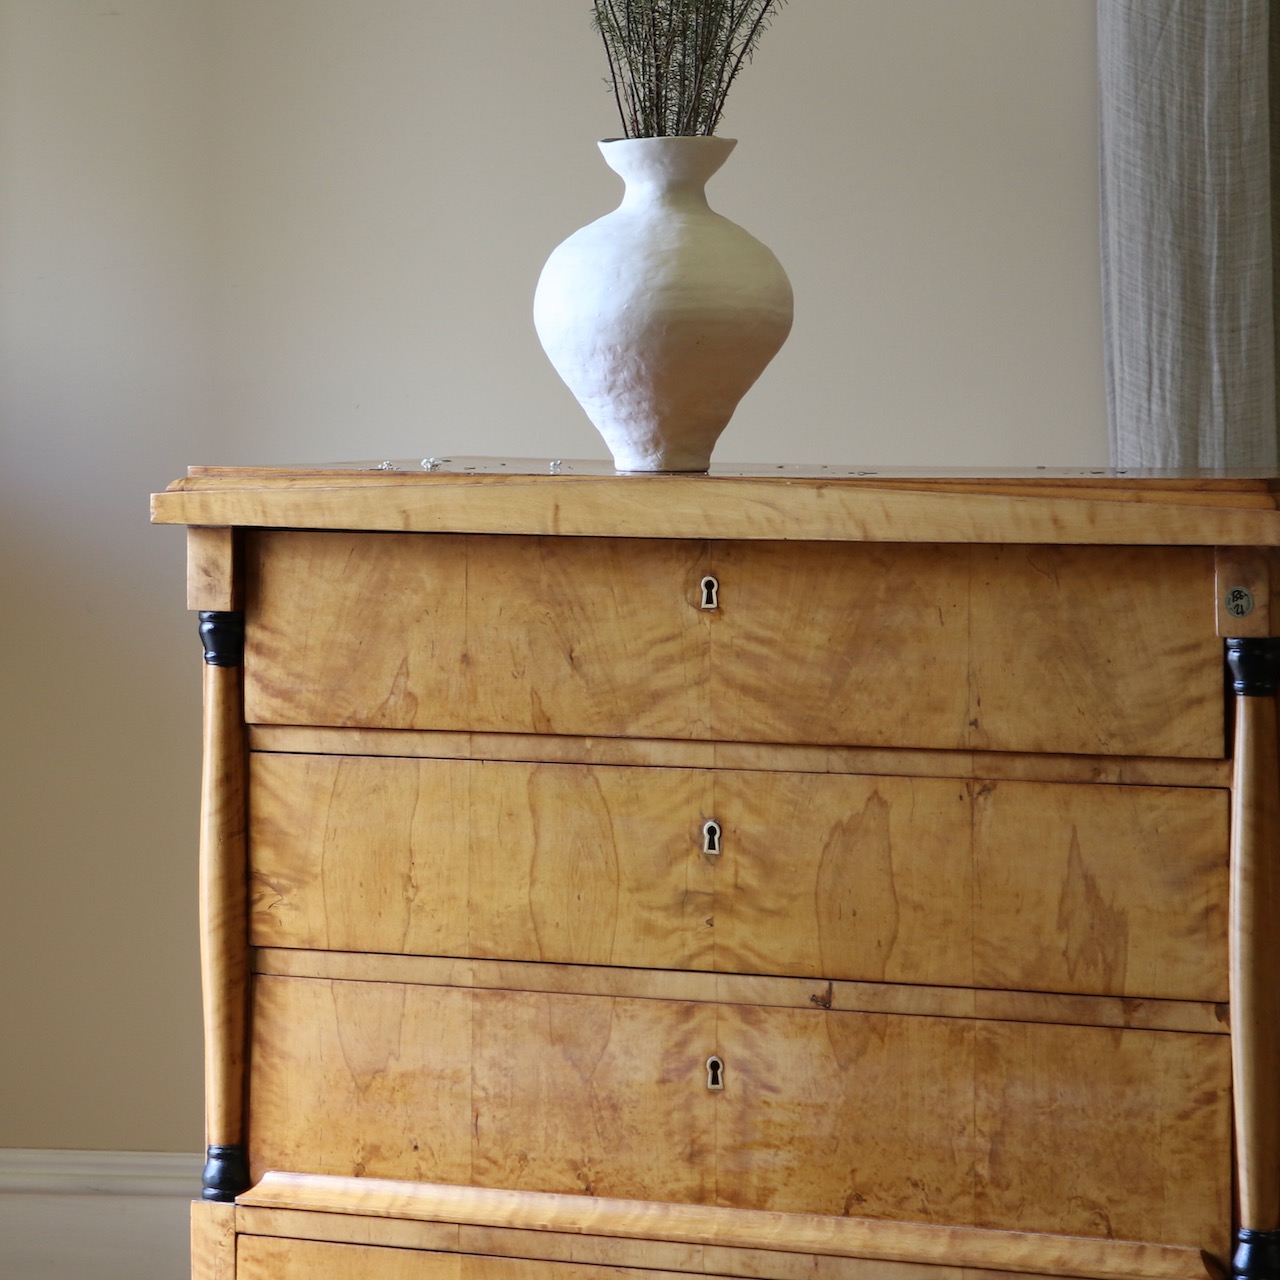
column 1109, row 1133
column 345, row 1228
column 1091, row 889
column 716, row 1228
column 1080, row 1132
column 584, row 865
column 1104, row 651
column 529, row 1090
column 989, row 766
column 599, row 636
column 600, row 1250
column 563, row 1093
column 308, row 656
column 890, row 625
column 539, row 635
column 224, row 943
column 860, row 1115
column 213, row 1241
column 363, row 1079
column 600, row 1096
column 735, row 988
column 212, row 582
column 1114, row 509
column 836, row 877
column 1255, row 985
column 266, row 1258
column 1085, row 889
column 1097, row 650
column 350, row 853
column 548, row 862
column 270, row 1259
column 664, row 753
column 879, row 1116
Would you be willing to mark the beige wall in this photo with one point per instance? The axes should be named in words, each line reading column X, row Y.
column 273, row 230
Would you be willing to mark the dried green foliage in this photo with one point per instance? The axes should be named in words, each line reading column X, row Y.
column 672, row 62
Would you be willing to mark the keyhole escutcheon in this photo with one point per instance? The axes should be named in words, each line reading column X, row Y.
column 715, row 1073
column 710, row 588
column 711, row 838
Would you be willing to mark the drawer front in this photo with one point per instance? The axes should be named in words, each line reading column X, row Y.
column 274, row 1258
column 271, row 1257
column 1089, row 889
column 1028, row 1127
column 1084, row 650
column 484, row 1088
column 1013, row 1126
column 1094, row 650
column 557, row 863
column 540, row 635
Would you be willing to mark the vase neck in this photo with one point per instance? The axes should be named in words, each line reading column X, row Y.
column 691, row 196
column 668, row 171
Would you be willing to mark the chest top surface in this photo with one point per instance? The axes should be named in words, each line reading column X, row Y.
column 818, row 503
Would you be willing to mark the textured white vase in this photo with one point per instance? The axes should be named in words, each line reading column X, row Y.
column 662, row 314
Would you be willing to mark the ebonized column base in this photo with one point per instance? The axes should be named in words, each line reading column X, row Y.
column 1257, row 1255
column 226, row 1174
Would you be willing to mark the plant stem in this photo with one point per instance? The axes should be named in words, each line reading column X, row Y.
column 672, row 62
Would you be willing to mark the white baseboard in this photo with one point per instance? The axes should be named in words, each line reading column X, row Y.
column 109, row 1215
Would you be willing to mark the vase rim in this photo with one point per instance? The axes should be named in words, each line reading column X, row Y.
column 699, row 138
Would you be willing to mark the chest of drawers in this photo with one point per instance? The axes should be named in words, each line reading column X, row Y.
column 755, row 876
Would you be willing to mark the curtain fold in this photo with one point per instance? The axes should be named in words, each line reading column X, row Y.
column 1188, row 282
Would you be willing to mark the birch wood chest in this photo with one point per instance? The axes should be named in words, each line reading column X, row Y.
column 776, row 875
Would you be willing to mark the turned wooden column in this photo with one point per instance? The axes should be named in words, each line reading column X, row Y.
column 224, row 949
column 213, row 590
column 1255, row 961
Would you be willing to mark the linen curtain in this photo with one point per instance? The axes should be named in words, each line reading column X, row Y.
column 1186, row 91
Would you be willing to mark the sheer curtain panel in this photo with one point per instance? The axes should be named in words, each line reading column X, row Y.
column 1188, row 285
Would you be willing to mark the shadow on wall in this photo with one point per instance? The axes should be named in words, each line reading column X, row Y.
column 100, row 775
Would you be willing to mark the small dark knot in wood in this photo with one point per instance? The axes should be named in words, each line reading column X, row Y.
column 1257, row 1255
column 1254, row 663
column 222, row 633
column 226, row 1174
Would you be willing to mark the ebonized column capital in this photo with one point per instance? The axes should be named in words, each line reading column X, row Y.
column 1254, row 663
column 222, row 632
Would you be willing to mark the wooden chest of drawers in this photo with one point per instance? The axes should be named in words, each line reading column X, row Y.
column 740, row 876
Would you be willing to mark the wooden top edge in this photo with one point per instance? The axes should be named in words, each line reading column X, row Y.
column 727, row 510
column 1095, row 1259
column 481, row 470
column 1105, row 508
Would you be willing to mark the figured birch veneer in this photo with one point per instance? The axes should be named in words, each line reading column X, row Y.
column 984, row 941
column 911, row 880
column 942, row 647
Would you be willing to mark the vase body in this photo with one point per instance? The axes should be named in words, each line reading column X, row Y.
column 662, row 314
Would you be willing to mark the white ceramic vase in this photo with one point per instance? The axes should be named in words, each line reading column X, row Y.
column 662, row 314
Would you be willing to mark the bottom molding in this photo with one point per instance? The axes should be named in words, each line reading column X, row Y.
column 971, row 1249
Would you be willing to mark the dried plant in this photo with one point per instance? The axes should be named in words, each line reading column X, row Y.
column 672, row 62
